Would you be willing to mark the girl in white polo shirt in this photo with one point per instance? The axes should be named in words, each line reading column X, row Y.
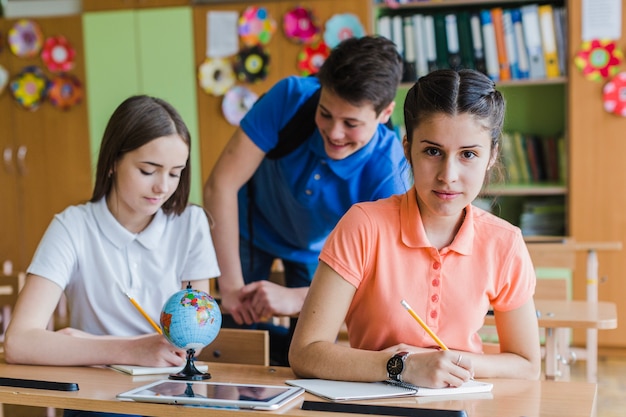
column 136, row 235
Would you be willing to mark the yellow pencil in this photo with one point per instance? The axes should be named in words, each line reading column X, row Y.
column 424, row 325
column 143, row 313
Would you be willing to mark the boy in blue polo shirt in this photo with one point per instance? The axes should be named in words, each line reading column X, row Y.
column 287, row 206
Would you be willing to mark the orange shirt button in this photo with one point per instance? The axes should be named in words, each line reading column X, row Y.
column 435, row 282
column 433, row 314
column 434, row 298
column 436, row 265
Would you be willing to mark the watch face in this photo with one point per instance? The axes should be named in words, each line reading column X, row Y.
column 395, row 365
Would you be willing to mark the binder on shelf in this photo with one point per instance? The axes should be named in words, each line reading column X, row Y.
column 498, row 29
column 560, row 25
column 452, row 40
column 397, row 33
column 548, row 40
column 489, row 41
column 520, row 44
column 510, row 44
column 477, row 43
column 383, row 25
column 532, row 36
column 419, row 30
column 409, row 72
column 464, row 31
column 431, row 46
column 441, row 42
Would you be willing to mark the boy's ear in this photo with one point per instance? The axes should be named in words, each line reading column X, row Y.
column 385, row 115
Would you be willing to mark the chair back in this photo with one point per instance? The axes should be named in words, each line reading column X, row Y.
column 10, row 286
column 242, row 346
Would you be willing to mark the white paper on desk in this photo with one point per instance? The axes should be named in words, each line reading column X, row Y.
column 347, row 390
column 601, row 19
column 222, row 37
column 150, row 370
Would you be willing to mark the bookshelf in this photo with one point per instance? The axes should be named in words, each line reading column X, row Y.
column 536, row 102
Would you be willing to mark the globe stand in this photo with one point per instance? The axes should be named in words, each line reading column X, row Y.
column 190, row 372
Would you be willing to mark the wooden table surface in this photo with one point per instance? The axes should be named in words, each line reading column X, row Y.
column 573, row 314
column 99, row 386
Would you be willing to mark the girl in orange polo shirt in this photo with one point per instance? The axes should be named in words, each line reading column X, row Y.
column 448, row 259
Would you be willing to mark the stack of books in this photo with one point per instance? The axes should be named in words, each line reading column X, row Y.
column 543, row 217
column 512, row 43
column 534, row 159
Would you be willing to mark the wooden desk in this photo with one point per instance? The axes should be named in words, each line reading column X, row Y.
column 99, row 386
column 562, row 254
column 557, row 315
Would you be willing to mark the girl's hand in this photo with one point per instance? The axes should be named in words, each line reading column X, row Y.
column 154, row 350
column 438, row 369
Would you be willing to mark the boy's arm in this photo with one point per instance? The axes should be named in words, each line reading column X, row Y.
column 239, row 160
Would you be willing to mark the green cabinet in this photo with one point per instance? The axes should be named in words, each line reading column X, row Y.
column 141, row 51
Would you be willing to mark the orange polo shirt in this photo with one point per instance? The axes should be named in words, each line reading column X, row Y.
column 382, row 249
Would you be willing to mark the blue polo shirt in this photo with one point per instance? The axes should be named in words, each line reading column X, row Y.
column 300, row 198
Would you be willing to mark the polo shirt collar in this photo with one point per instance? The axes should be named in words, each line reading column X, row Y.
column 120, row 236
column 347, row 167
column 414, row 234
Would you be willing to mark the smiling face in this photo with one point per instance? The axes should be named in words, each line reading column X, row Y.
column 144, row 179
column 346, row 128
column 450, row 156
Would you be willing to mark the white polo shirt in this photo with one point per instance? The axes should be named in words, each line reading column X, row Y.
column 95, row 260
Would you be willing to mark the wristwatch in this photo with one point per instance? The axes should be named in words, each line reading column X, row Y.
column 395, row 366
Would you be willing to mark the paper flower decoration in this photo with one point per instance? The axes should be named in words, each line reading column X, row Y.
column 311, row 58
column 598, row 59
column 251, row 64
column 341, row 27
column 25, row 38
column 4, row 78
column 216, row 76
column 256, row 26
column 236, row 103
column 29, row 87
column 58, row 54
column 299, row 25
column 614, row 95
column 65, row 91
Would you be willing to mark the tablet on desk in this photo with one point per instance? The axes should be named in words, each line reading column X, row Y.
column 214, row 394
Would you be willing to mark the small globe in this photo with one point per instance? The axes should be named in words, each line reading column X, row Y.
column 191, row 319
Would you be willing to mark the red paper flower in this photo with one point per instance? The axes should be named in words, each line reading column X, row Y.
column 614, row 94
column 58, row 54
column 598, row 59
column 311, row 58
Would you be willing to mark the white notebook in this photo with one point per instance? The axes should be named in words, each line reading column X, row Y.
column 149, row 370
column 347, row 390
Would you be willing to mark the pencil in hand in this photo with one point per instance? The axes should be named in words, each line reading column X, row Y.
column 424, row 325
column 143, row 313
